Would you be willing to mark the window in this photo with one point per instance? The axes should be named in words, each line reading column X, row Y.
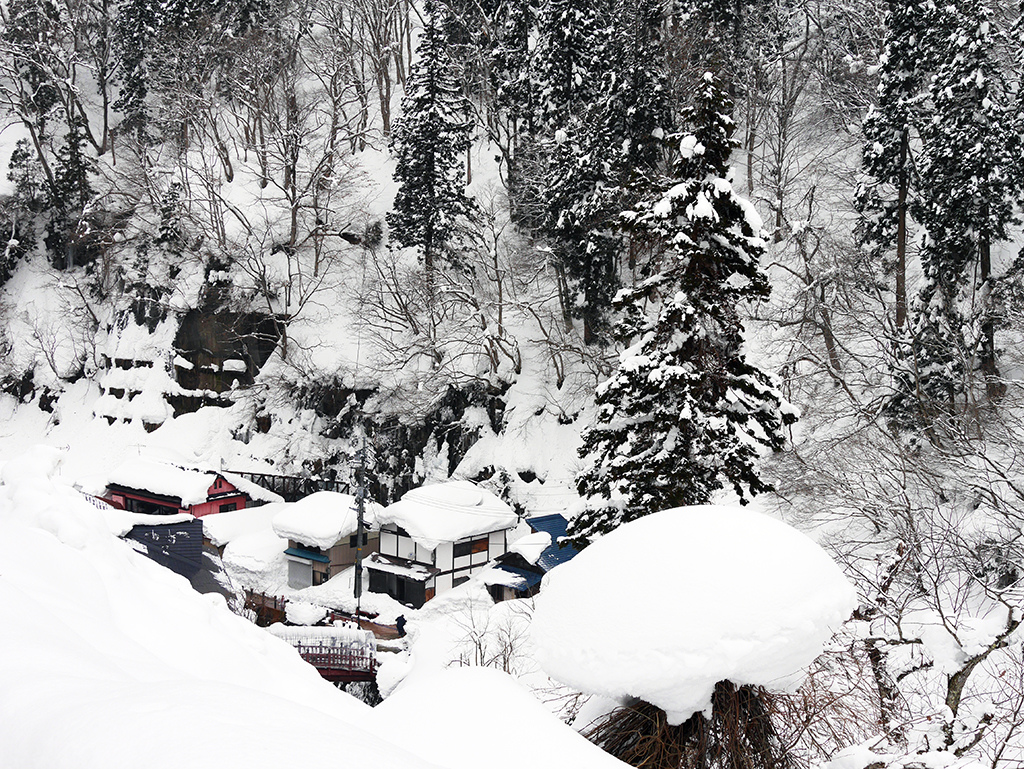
column 352, row 539
column 459, row 580
column 227, row 507
column 473, row 546
column 319, row 577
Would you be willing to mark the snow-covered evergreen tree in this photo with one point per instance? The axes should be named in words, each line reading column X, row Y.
column 884, row 192
column 71, row 192
column 968, row 188
column 429, row 143
column 604, row 157
column 571, row 39
column 685, row 413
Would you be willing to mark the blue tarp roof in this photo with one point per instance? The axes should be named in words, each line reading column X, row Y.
column 309, row 555
column 553, row 555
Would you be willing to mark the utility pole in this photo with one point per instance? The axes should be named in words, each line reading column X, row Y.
column 360, row 510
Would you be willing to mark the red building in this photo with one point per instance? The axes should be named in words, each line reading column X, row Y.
column 148, row 486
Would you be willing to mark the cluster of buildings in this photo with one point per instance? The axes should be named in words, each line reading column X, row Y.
column 433, row 539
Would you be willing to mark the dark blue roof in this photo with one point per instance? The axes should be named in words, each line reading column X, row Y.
column 309, row 555
column 553, row 555
column 530, row 578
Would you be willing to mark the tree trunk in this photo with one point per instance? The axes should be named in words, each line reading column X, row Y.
column 994, row 388
column 901, row 235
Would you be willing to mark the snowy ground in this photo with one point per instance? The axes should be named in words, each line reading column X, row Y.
column 107, row 655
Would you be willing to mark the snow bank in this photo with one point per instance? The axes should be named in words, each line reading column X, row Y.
column 723, row 592
column 322, row 519
column 115, row 655
column 446, row 512
column 489, row 707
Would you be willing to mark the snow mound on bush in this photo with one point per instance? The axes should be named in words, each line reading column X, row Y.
column 664, row 607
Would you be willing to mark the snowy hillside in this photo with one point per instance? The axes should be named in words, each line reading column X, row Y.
column 612, row 261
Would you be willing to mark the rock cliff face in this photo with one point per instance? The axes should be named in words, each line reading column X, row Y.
column 216, row 352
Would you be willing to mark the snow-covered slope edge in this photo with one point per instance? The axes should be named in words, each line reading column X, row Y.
column 108, row 660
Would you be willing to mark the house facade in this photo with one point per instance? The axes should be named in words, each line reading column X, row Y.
column 313, row 565
column 437, row 537
column 321, row 530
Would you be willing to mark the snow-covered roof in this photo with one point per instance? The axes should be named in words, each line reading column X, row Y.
column 448, row 512
column 735, row 595
column 224, row 528
column 253, row 490
column 121, row 522
column 323, row 519
column 558, row 552
column 510, row 576
column 191, row 484
column 531, row 546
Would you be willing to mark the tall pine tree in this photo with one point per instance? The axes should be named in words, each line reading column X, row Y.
column 888, row 182
column 685, row 413
column 603, row 157
column 968, row 190
column 429, row 143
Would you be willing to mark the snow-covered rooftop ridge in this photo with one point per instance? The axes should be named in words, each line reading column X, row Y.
column 190, row 483
column 323, row 519
column 735, row 595
column 448, row 512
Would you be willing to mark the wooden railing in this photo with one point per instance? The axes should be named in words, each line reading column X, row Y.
column 293, row 487
column 339, row 663
column 267, row 608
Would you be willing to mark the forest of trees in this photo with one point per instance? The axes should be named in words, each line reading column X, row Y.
column 705, row 216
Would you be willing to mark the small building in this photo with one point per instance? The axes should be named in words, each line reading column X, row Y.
column 518, row 573
column 173, row 541
column 321, row 534
column 436, row 537
column 152, row 487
